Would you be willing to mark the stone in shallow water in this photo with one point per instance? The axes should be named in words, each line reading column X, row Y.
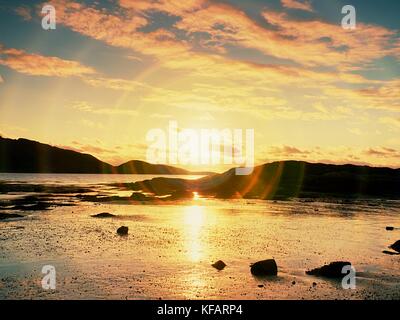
column 264, row 268
column 392, row 253
column 103, row 215
column 219, row 265
column 332, row 270
column 396, row 246
column 123, row 231
column 4, row 216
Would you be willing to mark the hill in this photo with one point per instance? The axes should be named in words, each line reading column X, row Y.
column 27, row 156
column 285, row 179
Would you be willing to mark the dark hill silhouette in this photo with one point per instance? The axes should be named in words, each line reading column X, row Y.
column 29, row 156
column 142, row 167
column 24, row 155
column 285, row 179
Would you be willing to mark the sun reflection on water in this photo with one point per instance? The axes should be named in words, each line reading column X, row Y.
column 194, row 220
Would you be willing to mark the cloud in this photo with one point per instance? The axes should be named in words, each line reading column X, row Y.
column 214, row 81
column 24, row 12
column 378, row 156
column 390, row 121
column 85, row 107
column 383, row 152
column 298, row 4
column 287, row 151
column 172, row 7
column 161, row 116
column 38, row 65
column 116, row 84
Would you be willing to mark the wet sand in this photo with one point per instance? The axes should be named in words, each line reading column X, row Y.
column 170, row 248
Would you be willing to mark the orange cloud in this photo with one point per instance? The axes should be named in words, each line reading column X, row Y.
column 299, row 41
column 172, row 7
column 320, row 43
column 298, row 4
column 37, row 65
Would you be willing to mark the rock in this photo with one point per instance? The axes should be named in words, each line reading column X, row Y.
column 103, row 215
column 219, row 265
column 264, row 268
column 390, row 252
column 396, row 246
column 4, row 216
column 39, row 206
column 261, row 286
column 333, row 270
column 389, row 228
column 180, row 195
column 138, row 196
column 293, row 283
column 123, row 231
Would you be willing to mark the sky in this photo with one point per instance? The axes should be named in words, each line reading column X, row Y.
column 113, row 70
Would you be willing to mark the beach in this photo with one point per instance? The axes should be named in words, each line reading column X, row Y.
column 171, row 245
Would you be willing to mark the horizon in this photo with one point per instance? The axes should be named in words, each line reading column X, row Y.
column 217, row 172
column 111, row 72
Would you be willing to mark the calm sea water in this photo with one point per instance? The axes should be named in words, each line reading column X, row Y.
column 171, row 246
column 81, row 179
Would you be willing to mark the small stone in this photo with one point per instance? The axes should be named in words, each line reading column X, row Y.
column 123, row 231
column 264, row 268
column 332, row 270
column 103, row 215
column 219, row 265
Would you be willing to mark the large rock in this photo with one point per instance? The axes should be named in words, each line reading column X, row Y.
column 103, row 215
column 122, row 231
column 396, row 246
column 332, row 270
column 219, row 265
column 264, row 268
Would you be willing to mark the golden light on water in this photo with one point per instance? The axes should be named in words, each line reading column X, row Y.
column 194, row 220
